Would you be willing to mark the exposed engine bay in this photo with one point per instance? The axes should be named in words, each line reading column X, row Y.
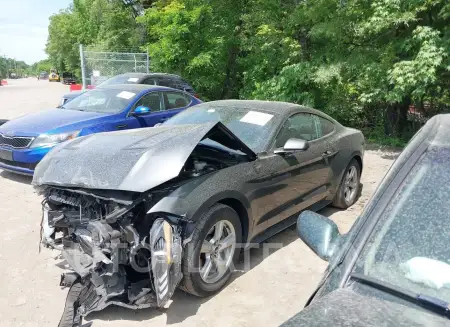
column 119, row 253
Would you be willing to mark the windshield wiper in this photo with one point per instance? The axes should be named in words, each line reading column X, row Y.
column 429, row 302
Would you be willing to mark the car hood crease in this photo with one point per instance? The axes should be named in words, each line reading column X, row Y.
column 132, row 160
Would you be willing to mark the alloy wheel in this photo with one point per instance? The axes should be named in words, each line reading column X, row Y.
column 350, row 184
column 216, row 254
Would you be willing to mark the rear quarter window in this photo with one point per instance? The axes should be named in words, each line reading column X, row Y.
column 326, row 126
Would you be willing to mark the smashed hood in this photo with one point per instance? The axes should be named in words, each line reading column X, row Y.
column 132, row 160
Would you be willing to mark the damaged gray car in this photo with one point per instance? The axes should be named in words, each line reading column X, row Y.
column 138, row 213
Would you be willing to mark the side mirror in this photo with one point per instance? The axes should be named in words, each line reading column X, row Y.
column 293, row 145
column 319, row 233
column 141, row 110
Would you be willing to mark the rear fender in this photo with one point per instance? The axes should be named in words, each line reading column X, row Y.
column 341, row 168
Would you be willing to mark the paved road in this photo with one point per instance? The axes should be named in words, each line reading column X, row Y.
column 276, row 285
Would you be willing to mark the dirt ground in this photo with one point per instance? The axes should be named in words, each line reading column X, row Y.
column 271, row 290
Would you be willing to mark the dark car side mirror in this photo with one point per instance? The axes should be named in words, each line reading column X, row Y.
column 319, row 233
column 293, row 145
column 141, row 110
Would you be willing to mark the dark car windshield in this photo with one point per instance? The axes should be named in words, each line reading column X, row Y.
column 409, row 247
column 120, row 79
column 251, row 126
column 101, row 100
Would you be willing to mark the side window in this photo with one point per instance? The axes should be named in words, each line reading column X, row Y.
column 149, row 81
column 165, row 82
column 300, row 126
column 151, row 100
column 174, row 100
column 326, row 126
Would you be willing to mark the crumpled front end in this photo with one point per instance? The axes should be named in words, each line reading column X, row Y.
column 119, row 255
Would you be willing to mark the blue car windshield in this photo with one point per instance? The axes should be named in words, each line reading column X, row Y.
column 101, row 100
column 251, row 126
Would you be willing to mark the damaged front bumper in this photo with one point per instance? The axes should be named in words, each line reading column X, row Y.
column 113, row 262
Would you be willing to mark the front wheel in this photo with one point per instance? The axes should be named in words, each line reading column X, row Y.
column 348, row 190
column 210, row 256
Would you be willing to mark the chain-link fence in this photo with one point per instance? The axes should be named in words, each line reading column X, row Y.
column 96, row 67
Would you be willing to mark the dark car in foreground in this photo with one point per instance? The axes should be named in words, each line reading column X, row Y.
column 24, row 141
column 162, row 79
column 393, row 267
column 139, row 212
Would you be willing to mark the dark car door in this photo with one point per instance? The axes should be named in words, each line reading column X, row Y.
column 297, row 180
column 329, row 139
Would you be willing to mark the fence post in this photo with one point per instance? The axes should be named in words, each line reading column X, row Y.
column 83, row 68
column 148, row 62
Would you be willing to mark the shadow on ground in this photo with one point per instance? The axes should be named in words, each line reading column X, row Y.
column 23, row 179
column 185, row 305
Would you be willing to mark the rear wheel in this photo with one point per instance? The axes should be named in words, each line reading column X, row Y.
column 209, row 258
column 348, row 190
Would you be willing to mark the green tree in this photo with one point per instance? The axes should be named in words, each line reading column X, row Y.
column 107, row 25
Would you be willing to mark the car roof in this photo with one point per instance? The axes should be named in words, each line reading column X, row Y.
column 136, row 87
column 143, row 75
column 275, row 107
column 436, row 130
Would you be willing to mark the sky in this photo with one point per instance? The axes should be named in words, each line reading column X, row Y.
column 23, row 27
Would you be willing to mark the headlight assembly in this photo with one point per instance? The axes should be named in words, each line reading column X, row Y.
column 52, row 139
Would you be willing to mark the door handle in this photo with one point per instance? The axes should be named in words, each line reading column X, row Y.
column 327, row 153
column 123, row 126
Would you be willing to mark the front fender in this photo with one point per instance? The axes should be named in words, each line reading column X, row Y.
column 192, row 208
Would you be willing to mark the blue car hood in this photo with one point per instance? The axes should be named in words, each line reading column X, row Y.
column 43, row 122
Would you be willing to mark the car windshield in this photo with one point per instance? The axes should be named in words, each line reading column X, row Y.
column 101, row 100
column 251, row 126
column 409, row 247
column 120, row 79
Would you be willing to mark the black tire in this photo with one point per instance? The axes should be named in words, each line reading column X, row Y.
column 192, row 282
column 339, row 200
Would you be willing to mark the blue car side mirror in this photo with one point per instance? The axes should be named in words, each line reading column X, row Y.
column 141, row 110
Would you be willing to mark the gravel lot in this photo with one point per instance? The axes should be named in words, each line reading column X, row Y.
column 274, row 288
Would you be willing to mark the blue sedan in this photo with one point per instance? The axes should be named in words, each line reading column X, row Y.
column 26, row 140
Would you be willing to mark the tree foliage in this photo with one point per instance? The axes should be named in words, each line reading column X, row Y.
column 9, row 66
column 108, row 25
column 363, row 62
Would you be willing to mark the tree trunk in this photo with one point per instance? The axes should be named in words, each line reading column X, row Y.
column 396, row 121
column 231, row 73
